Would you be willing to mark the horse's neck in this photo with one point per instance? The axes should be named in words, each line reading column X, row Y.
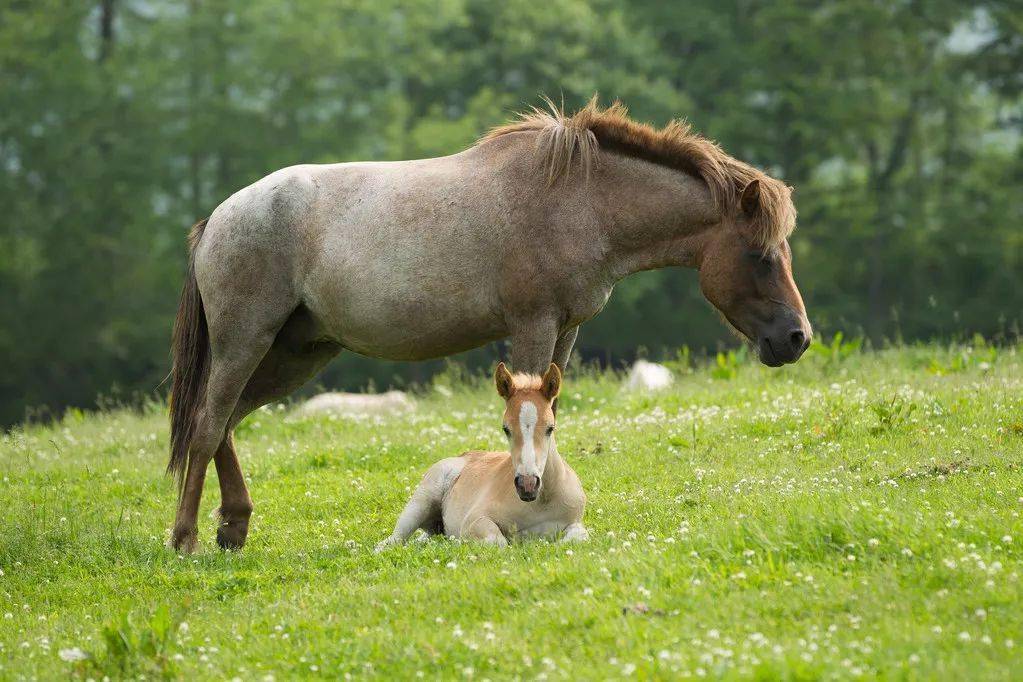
column 655, row 216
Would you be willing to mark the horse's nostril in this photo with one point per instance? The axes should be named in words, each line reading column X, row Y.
column 798, row 340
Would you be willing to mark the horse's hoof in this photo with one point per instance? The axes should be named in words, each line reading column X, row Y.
column 231, row 536
column 231, row 532
column 184, row 541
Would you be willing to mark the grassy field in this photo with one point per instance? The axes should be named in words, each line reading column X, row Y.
column 857, row 514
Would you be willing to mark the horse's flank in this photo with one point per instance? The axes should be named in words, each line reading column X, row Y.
column 564, row 140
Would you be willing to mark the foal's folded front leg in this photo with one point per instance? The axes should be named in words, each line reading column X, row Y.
column 575, row 532
column 485, row 530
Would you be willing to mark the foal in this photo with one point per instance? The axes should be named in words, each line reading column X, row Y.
column 471, row 496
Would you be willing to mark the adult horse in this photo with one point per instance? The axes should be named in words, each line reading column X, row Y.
column 522, row 236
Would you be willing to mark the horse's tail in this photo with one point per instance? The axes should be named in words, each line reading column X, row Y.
column 191, row 351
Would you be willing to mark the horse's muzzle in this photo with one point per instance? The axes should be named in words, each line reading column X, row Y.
column 783, row 347
column 527, row 486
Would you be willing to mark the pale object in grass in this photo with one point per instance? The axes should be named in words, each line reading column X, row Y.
column 648, row 376
column 349, row 404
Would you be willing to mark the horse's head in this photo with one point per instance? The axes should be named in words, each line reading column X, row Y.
column 747, row 276
column 529, row 424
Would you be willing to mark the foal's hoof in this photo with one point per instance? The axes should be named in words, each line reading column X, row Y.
column 387, row 542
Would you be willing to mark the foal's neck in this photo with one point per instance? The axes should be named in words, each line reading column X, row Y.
column 655, row 216
column 554, row 472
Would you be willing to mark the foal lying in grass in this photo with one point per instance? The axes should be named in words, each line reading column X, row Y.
column 494, row 496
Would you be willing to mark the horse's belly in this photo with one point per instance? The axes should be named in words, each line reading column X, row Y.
column 393, row 342
column 405, row 325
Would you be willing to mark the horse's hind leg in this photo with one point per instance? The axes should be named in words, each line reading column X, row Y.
column 292, row 360
column 233, row 359
column 235, row 504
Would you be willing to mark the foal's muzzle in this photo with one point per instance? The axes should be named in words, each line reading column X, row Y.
column 527, row 486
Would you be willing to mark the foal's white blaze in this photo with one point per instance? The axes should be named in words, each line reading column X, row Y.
column 527, row 423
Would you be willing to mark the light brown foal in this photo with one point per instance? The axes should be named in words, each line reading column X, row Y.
column 494, row 496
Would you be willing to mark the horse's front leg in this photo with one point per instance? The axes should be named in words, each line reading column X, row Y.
column 563, row 348
column 532, row 345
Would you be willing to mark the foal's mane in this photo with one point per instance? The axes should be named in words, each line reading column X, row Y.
column 561, row 139
column 527, row 382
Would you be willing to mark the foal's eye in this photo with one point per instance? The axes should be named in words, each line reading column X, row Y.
column 550, row 430
column 506, row 430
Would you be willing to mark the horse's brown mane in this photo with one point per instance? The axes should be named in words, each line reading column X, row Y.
column 582, row 135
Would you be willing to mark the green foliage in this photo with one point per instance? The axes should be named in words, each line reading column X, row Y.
column 133, row 651
column 727, row 363
column 959, row 358
column 123, row 122
column 891, row 414
column 754, row 528
column 834, row 352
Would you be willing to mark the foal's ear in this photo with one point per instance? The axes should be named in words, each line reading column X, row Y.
column 550, row 386
column 503, row 381
column 750, row 199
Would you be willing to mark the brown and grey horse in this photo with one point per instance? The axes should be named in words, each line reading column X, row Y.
column 522, row 236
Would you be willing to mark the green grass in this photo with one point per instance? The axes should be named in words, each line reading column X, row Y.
column 857, row 513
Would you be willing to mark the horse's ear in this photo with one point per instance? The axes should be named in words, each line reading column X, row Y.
column 550, row 387
column 503, row 381
column 750, row 200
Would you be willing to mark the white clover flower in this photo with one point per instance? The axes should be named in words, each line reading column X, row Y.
column 73, row 654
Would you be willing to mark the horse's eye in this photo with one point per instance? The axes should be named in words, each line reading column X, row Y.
column 506, row 430
column 550, row 430
column 763, row 262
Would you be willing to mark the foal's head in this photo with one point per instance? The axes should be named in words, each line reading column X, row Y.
column 529, row 424
column 747, row 275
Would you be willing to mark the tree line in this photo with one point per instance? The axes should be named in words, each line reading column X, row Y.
column 122, row 122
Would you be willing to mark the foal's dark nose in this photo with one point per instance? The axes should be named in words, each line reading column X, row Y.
column 528, row 487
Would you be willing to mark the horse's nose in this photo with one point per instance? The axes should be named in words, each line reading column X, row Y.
column 799, row 342
column 527, row 486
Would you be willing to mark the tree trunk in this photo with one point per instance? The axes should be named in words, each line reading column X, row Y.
column 882, row 175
